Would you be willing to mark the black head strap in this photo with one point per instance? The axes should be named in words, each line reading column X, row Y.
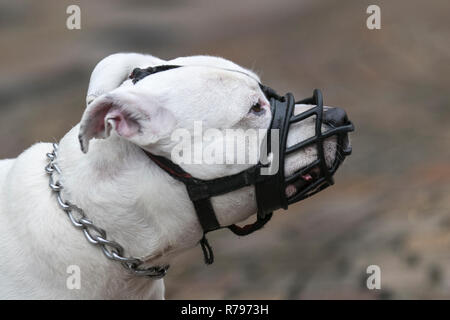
column 139, row 74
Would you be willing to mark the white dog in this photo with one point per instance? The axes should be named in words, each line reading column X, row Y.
column 119, row 187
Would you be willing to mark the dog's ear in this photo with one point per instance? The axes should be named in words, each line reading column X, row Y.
column 113, row 70
column 141, row 122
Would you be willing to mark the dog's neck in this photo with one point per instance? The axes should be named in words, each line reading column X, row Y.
column 139, row 206
column 126, row 194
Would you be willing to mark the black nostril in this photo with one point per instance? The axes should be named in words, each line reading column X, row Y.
column 335, row 117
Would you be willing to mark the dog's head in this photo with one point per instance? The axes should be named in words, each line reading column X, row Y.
column 156, row 111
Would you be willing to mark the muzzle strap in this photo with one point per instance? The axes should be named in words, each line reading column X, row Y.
column 206, row 215
column 250, row 228
column 208, row 253
column 200, row 193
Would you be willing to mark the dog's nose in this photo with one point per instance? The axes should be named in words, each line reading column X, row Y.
column 335, row 116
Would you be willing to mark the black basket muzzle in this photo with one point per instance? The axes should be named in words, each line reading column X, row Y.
column 271, row 190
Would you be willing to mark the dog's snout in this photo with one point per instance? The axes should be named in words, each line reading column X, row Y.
column 335, row 117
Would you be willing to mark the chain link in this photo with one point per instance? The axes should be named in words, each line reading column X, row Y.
column 94, row 234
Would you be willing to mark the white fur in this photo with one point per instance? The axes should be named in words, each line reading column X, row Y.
column 120, row 189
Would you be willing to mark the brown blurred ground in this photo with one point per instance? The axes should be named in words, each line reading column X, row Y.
column 390, row 206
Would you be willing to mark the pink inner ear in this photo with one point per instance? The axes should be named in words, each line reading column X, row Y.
column 121, row 122
column 107, row 116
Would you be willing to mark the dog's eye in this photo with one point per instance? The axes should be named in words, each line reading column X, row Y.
column 257, row 109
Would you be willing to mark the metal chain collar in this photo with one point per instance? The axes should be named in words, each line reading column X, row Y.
column 94, row 234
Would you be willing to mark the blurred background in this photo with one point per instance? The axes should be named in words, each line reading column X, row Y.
column 390, row 206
